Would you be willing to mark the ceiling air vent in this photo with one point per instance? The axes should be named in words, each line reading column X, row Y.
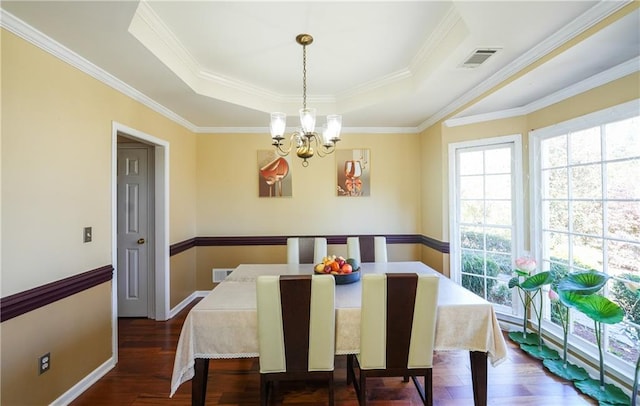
column 478, row 57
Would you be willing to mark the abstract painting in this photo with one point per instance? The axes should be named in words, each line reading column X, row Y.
column 274, row 177
column 353, row 170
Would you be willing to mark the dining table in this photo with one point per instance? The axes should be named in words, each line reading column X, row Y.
column 223, row 324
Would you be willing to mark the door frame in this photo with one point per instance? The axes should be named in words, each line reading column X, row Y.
column 160, row 222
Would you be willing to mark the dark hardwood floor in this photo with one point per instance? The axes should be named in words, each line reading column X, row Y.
column 143, row 374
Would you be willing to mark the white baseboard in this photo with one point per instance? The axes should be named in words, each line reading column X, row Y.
column 79, row 388
column 182, row 305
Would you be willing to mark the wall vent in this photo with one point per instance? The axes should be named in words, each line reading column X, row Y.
column 220, row 274
column 478, row 57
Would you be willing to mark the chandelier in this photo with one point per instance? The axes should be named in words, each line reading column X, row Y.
column 305, row 140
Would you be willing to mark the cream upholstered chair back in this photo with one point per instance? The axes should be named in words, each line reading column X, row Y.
column 405, row 336
column 397, row 331
column 306, row 250
column 367, row 248
column 380, row 248
column 296, row 329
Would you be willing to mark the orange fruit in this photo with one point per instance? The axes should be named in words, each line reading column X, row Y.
column 335, row 266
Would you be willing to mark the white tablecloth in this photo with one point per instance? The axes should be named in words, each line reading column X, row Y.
column 224, row 323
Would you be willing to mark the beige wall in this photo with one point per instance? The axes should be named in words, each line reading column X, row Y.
column 182, row 280
column 432, row 199
column 75, row 330
column 228, row 202
column 617, row 92
column 56, row 166
column 56, row 179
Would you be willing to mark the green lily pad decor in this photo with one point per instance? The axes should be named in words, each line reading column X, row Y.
column 540, row 351
column 570, row 372
column 609, row 394
column 584, row 283
column 521, row 338
column 536, row 281
column 600, row 309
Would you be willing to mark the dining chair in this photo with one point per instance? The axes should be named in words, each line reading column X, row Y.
column 367, row 248
column 296, row 329
column 306, row 250
column 397, row 331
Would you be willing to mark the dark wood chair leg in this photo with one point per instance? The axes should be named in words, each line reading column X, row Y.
column 428, row 388
column 349, row 368
column 363, row 389
column 331, row 389
column 264, row 393
column 479, row 377
column 199, row 382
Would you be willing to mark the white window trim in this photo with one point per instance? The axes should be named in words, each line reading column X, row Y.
column 454, row 235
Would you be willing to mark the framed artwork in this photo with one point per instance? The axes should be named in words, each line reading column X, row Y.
column 353, row 168
column 274, row 176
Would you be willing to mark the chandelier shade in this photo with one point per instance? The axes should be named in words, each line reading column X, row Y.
column 278, row 124
column 306, row 140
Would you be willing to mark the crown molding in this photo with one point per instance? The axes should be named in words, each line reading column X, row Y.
column 451, row 18
column 148, row 28
column 602, row 78
column 345, row 130
column 586, row 20
column 37, row 38
column 599, row 79
column 481, row 118
column 372, row 85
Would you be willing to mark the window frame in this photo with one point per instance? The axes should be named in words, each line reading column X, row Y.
column 582, row 348
column 517, row 246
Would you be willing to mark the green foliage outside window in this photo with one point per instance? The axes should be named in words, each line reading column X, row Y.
column 494, row 244
column 630, row 302
column 473, row 264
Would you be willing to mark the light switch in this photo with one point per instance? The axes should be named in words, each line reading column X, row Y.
column 87, row 234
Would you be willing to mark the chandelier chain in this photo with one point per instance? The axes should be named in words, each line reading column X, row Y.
column 304, row 77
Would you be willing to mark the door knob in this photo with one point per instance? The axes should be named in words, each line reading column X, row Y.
column 141, row 241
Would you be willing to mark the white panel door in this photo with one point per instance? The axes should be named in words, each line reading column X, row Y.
column 133, row 232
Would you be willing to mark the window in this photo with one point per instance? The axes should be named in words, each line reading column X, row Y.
column 485, row 225
column 586, row 215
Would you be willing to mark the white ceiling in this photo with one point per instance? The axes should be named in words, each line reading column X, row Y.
column 386, row 66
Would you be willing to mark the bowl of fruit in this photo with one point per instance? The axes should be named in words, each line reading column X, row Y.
column 343, row 270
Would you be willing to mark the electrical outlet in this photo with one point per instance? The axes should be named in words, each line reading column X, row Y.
column 44, row 363
column 87, row 234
